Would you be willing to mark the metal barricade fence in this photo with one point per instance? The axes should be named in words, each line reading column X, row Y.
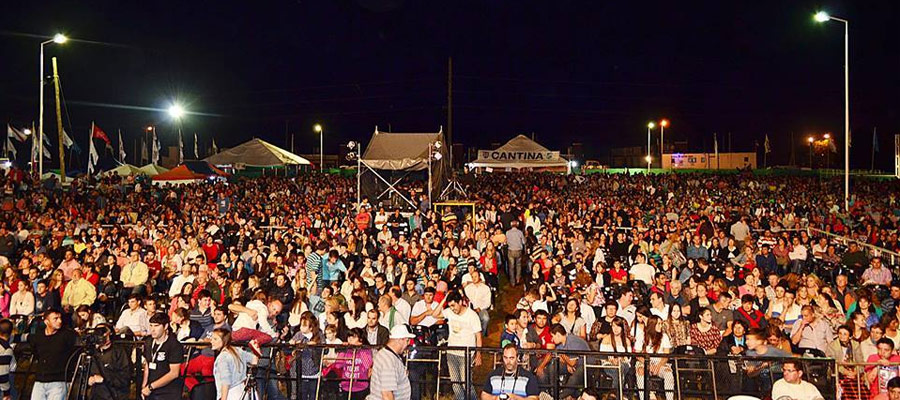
column 449, row 373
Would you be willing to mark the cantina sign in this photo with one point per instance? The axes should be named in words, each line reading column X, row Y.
column 499, row 155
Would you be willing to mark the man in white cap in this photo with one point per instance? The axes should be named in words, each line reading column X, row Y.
column 390, row 380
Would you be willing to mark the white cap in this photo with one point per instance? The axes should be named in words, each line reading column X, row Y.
column 401, row 332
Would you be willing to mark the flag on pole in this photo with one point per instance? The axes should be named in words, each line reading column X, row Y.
column 93, row 157
column 69, row 143
column 121, row 148
column 143, row 150
column 766, row 147
column 15, row 133
column 10, row 147
column 154, row 149
column 215, row 149
column 875, row 141
column 97, row 133
column 180, row 148
column 196, row 154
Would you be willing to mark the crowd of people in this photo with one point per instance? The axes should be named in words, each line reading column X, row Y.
column 722, row 265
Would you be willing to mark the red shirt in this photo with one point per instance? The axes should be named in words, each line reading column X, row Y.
column 619, row 275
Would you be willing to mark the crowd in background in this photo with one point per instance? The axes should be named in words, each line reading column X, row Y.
column 617, row 263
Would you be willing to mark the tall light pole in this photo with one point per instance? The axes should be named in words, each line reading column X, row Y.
column 662, row 136
column 650, row 127
column 176, row 111
column 318, row 128
column 822, row 16
column 58, row 39
column 810, row 140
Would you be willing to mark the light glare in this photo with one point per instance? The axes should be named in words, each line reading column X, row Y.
column 176, row 111
column 59, row 38
column 822, row 16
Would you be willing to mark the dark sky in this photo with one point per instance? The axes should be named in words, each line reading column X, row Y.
column 569, row 71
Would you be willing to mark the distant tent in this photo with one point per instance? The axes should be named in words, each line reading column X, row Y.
column 153, row 169
column 256, row 153
column 123, row 170
column 189, row 172
column 520, row 153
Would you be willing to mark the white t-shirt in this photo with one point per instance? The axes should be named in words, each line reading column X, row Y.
column 643, row 272
column 243, row 320
column 479, row 295
column 403, row 309
column 463, row 328
column 782, row 390
column 421, row 307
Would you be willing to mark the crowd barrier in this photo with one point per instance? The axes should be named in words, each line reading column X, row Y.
column 449, row 373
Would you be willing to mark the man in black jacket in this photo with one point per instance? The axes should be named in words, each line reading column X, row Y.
column 51, row 347
column 110, row 371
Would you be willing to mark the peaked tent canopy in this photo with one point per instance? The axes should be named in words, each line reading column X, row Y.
column 153, row 169
column 190, row 171
column 401, row 151
column 520, row 152
column 124, row 170
column 256, row 153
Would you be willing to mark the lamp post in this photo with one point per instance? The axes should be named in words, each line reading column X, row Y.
column 822, row 16
column 828, row 143
column 176, row 111
column 650, row 126
column 432, row 155
column 318, row 128
column 810, row 140
column 662, row 136
column 58, row 39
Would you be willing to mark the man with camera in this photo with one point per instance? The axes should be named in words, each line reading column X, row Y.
column 111, row 367
column 510, row 381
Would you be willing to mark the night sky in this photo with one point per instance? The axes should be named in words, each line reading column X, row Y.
column 569, row 71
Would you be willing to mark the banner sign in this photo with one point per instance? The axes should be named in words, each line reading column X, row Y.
column 500, row 155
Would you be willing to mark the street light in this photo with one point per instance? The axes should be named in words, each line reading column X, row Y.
column 435, row 155
column 822, row 17
column 650, row 126
column 810, row 140
column 58, row 39
column 662, row 136
column 318, row 128
column 176, row 111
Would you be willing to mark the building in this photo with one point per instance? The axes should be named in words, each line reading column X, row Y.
column 709, row 160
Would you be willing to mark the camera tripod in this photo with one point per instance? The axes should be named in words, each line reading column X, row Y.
column 250, row 392
column 80, row 384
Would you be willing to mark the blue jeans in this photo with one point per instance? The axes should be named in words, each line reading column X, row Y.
column 49, row 391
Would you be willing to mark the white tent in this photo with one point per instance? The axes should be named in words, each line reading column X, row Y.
column 123, row 170
column 520, row 153
column 256, row 153
column 153, row 169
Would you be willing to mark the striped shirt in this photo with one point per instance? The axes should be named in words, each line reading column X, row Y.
column 7, row 361
column 389, row 375
column 314, row 264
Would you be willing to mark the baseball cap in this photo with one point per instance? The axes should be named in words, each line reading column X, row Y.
column 401, row 332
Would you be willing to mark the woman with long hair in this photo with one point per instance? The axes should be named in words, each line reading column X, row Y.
column 655, row 341
column 616, row 342
column 570, row 318
column 306, row 361
column 704, row 334
column 677, row 327
column 230, row 366
column 356, row 316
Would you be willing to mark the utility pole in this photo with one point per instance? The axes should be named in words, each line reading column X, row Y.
column 62, row 154
column 450, row 109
